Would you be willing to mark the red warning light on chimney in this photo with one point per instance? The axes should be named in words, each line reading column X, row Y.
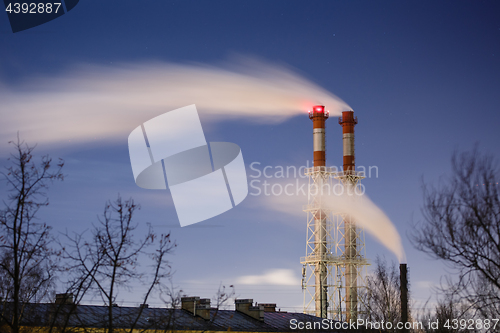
column 318, row 116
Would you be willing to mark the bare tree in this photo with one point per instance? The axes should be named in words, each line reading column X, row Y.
column 222, row 297
column 450, row 315
column 27, row 263
column 462, row 228
column 383, row 297
column 110, row 261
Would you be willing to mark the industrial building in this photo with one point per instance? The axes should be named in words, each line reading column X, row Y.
column 195, row 315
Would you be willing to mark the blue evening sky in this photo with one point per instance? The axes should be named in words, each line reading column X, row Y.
column 422, row 77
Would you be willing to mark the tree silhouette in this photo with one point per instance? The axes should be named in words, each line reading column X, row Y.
column 383, row 297
column 462, row 228
column 27, row 262
column 111, row 259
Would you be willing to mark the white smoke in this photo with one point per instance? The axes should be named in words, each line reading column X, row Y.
column 359, row 207
column 367, row 215
column 97, row 103
column 104, row 103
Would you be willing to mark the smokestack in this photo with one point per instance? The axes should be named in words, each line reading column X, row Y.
column 403, row 278
column 348, row 121
column 318, row 115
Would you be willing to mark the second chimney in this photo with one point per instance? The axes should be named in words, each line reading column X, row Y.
column 245, row 306
column 64, row 298
column 196, row 306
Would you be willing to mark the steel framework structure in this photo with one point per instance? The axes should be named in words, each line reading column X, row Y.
column 334, row 268
column 318, row 264
column 335, row 246
column 351, row 251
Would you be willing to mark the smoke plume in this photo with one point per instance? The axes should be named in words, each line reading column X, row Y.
column 367, row 215
column 97, row 103
column 359, row 207
column 104, row 103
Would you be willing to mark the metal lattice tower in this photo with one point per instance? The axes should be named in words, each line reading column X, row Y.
column 334, row 268
column 351, row 253
column 318, row 273
column 350, row 238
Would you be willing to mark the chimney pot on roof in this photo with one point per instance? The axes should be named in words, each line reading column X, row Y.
column 189, row 304
column 203, row 309
column 269, row 307
column 245, row 306
column 66, row 298
column 196, row 306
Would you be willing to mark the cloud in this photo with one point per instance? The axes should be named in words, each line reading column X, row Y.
column 98, row 103
column 284, row 277
column 426, row 285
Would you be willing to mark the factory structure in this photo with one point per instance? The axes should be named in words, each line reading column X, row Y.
column 334, row 267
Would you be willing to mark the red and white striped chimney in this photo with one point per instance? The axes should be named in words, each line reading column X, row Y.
column 319, row 116
column 348, row 121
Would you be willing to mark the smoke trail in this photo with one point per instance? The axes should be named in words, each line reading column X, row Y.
column 366, row 214
column 106, row 102
column 363, row 211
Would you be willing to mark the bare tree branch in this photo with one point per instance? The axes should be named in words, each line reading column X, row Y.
column 110, row 261
column 27, row 261
column 462, row 228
